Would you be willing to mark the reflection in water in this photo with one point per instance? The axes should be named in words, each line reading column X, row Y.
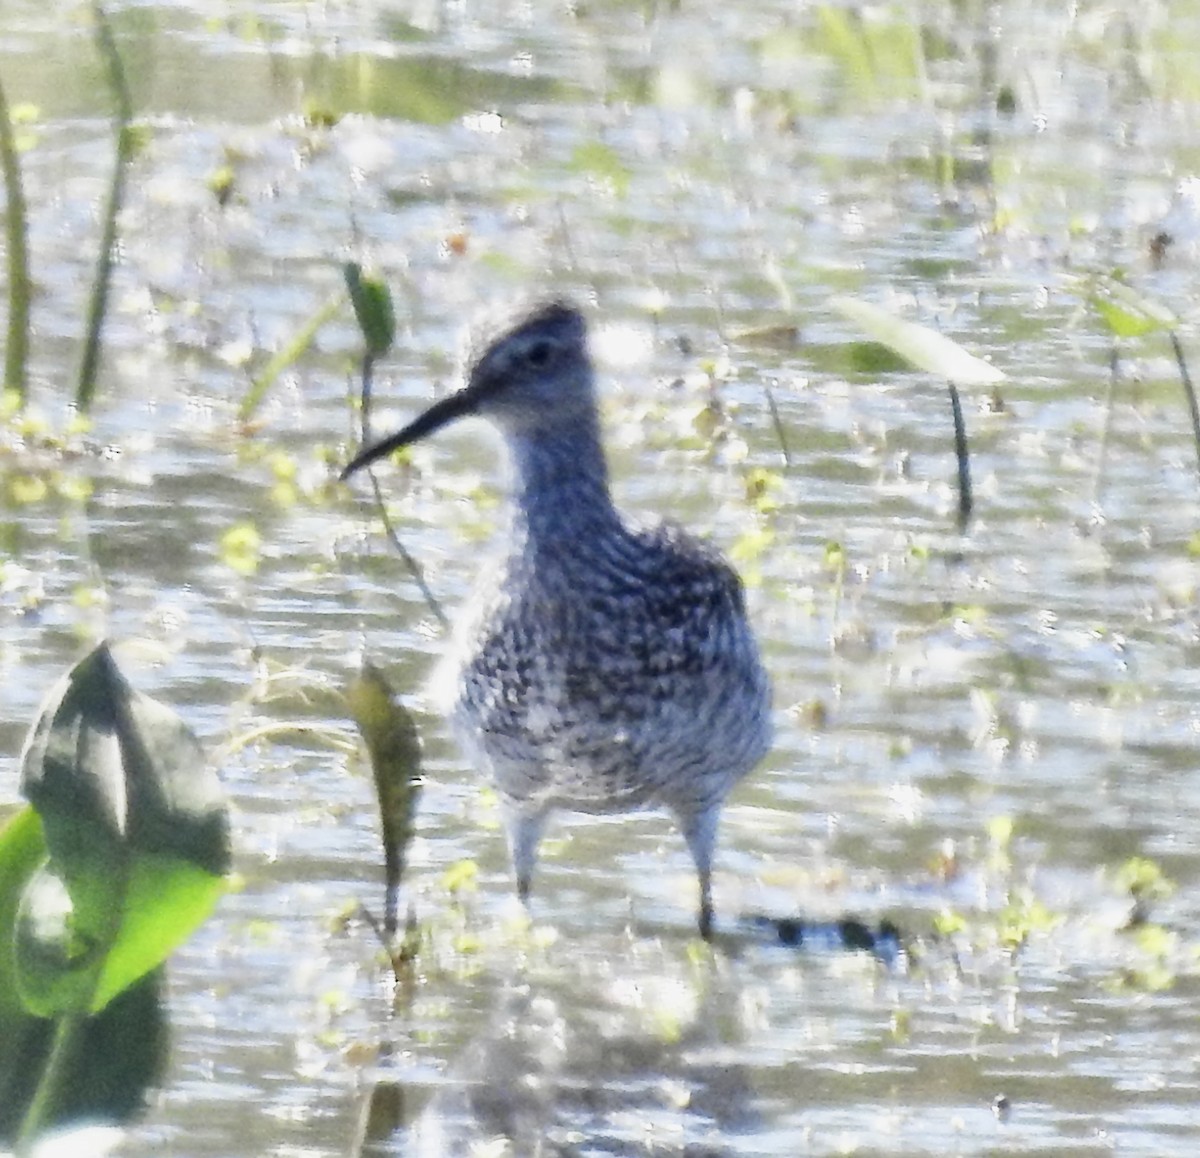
column 550, row 1072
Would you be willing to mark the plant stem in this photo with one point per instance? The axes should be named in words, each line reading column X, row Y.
column 414, row 568
column 67, row 1034
column 1114, row 374
column 98, row 303
column 16, row 347
column 965, row 500
column 778, row 424
column 264, row 380
column 1187, row 389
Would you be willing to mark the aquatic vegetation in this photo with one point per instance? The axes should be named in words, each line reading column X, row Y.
column 300, row 342
column 934, row 353
column 241, row 548
column 394, row 750
column 376, row 316
column 121, row 855
column 16, row 343
column 128, row 138
column 1129, row 315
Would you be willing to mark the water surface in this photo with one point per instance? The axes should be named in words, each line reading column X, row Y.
column 705, row 177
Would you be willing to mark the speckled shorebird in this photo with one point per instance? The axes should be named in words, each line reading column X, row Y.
column 604, row 666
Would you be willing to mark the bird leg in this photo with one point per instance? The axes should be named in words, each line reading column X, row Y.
column 524, row 834
column 705, row 920
column 700, row 832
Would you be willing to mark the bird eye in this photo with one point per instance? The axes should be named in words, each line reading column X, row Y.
column 539, row 353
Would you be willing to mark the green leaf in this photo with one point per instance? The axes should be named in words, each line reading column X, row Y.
column 167, row 899
column 1144, row 880
column 104, row 758
column 304, row 337
column 1127, row 313
column 372, row 302
column 924, row 348
column 999, row 828
column 221, row 182
column 58, row 961
column 137, row 835
column 461, row 877
column 394, row 748
column 123, row 1049
column 22, row 851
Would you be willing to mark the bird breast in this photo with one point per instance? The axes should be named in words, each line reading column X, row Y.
column 614, row 669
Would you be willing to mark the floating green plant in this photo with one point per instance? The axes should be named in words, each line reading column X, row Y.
column 1129, row 315
column 241, row 548
column 934, row 353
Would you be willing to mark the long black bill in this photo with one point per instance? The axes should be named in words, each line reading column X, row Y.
column 440, row 414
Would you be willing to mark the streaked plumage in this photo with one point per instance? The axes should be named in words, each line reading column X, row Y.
column 605, row 666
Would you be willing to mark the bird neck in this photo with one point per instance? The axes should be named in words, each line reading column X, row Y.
column 560, row 489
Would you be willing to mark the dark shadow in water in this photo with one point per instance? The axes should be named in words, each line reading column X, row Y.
column 122, row 1055
column 884, row 941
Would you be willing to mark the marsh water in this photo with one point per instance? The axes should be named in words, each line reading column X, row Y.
column 978, row 731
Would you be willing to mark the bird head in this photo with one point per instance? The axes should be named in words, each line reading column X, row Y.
column 527, row 374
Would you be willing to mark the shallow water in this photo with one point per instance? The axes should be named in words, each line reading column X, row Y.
column 699, row 174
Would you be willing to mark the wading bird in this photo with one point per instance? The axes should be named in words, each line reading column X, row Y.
column 605, row 666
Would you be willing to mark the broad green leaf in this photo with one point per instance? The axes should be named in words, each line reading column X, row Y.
column 58, row 960
column 394, row 748
column 123, row 1048
column 61, row 970
column 22, row 851
column 23, row 1038
column 131, row 815
column 372, row 302
column 166, row 901
column 1122, row 323
column 107, row 758
column 924, row 348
